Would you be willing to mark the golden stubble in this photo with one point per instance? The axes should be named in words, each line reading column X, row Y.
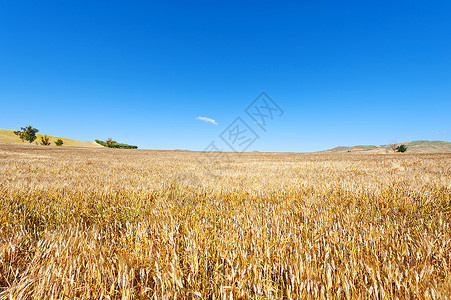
column 123, row 224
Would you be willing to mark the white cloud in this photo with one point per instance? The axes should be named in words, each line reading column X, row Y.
column 205, row 119
column 439, row 132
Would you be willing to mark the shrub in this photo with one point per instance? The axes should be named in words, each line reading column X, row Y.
column 110, row 143
column 101, row 143
column 59, row 142
column 401, row 148
column 45, row 141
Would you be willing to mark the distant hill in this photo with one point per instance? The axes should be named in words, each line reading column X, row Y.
column 413, row 146
column 7, row 136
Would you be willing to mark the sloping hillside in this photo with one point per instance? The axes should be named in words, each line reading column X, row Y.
column 7, row 136
column 420, row 146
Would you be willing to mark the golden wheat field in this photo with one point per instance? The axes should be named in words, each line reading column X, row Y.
column 136, row 224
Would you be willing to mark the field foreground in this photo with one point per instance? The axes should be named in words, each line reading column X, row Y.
column 121, row 224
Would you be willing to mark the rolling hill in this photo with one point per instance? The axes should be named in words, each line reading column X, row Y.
column 419, row 146
column 7, row 136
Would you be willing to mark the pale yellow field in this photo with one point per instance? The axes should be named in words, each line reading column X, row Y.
column 121, row 224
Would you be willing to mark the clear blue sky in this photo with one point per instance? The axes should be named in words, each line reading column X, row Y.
column 344, row 72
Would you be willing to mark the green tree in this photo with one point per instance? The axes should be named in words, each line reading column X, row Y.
column 45, row 141
column 59, row 142
column 401, row 148
column 110, row 143
column 27, row 133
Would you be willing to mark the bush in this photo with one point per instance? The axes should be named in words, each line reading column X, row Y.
column 401, row 148
column 109, row 143
column 59, row 142
column 101, row 143
column 45, row 141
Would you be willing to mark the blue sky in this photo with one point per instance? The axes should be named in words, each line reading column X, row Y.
column 142, row 72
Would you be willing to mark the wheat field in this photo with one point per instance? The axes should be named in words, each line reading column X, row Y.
column 135, row 224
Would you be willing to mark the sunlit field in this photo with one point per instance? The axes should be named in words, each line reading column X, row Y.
column 123, row 224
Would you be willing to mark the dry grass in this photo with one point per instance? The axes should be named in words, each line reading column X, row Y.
column 7, row 136
column 121, row 224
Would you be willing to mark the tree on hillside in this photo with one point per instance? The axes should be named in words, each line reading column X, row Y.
column 109, row 142
column 27, row 133
column 401, row 148
column 45, row 141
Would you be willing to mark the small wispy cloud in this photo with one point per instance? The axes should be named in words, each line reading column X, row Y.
column 439, row 132
column 208, row 120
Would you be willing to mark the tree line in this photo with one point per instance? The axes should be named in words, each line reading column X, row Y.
column 110, row 143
